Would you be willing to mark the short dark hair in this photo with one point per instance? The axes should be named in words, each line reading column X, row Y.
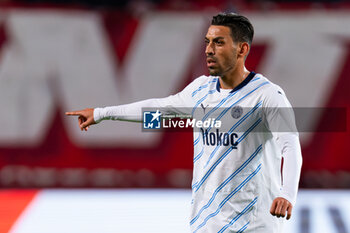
column 241, row 28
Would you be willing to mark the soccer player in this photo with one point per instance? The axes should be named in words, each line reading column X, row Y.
column 238, row 182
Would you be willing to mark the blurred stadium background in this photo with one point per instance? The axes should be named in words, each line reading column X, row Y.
column 62, row 55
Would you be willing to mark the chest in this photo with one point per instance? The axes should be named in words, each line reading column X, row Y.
column 235, row 111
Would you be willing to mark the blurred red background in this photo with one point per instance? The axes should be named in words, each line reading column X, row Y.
column 58, row 159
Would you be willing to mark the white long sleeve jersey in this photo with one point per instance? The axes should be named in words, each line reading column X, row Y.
column 237, row 169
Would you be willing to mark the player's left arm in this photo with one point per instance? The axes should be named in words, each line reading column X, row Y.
column 281, row 122
column 291, row 152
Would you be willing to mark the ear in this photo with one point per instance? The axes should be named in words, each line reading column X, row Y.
column 243, row 49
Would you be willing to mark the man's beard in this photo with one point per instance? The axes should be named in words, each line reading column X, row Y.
column 214, row 72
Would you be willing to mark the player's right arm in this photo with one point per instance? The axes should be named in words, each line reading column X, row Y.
column 178, row 103
column 126, row 112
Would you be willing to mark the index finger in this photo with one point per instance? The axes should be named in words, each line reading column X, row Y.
column 75, row 113
column 289, row 214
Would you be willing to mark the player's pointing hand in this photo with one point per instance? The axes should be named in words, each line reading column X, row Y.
column 85, row 117
column 280, row 206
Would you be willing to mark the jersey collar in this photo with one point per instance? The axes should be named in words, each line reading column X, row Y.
column 242, row 84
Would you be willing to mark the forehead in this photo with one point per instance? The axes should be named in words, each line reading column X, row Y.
column 218, row 31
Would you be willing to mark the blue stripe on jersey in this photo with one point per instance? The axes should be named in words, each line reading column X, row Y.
column 203, row 86
column 211, row 92
column 234, row 127
column 196, row 141
column 245, row 116
column 194, row 185
column 217, row 162
column 229, row 197
column 230, row 131
column 222, row 185
column 219, row 104
column 243, row 228
column 227, row 97
column 198, row 156
column 212, row 155
column 246, row 133
column 255, row 79
column 228, row 108
column 201, row 100
column 248, row 208
column 198, row 103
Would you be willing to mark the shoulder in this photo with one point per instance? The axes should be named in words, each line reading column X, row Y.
column 273, row 94
column 268, row 87
column 201, row 83
column 268, row 84
column 203, row 80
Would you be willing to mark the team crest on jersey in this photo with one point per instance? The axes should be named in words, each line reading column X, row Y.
column 236, row 112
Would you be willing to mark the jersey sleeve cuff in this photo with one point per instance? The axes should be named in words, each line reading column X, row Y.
column 288, row 198
column 98, row 115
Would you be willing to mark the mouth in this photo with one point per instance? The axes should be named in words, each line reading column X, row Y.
column 211, row 62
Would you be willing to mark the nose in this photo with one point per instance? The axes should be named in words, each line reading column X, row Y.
column 209, row 50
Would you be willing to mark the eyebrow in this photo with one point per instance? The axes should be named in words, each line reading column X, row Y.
column 215, row 39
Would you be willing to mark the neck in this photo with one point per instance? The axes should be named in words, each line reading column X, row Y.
column 233, row 79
